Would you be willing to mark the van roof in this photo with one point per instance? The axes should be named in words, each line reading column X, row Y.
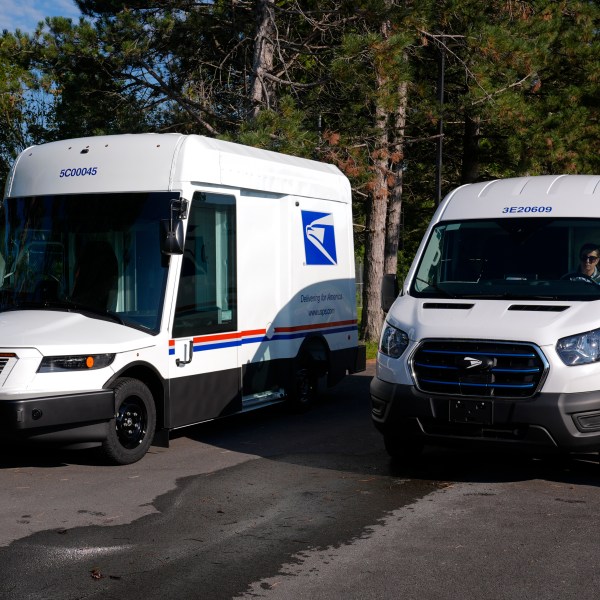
column 557, row 195
column 157, row 162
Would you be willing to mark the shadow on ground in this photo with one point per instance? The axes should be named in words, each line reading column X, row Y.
column 338, row 434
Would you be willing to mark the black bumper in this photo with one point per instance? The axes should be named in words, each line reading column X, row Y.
column 566, row 422
column 48, row 416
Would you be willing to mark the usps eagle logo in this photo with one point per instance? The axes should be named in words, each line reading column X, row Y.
column 319, row 238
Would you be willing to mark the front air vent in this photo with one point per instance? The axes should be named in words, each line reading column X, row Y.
column 478, row 368
column 4, row 361
column 448, row 305
column 538, row 307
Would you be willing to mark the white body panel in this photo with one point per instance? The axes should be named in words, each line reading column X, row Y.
column 491, row 320
column 152, row 162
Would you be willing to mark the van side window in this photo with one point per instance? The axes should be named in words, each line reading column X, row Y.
column 207, row 294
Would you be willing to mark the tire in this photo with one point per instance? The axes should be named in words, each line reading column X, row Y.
column 130, row 433
column 402, row 449
column 303, row 391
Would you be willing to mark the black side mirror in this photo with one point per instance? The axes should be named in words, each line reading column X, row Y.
column 389, row 291
column 171, row 236
column 171, row 230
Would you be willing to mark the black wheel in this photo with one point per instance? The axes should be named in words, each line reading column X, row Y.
column 402, row 448
column 303, row 391
column 130, row 433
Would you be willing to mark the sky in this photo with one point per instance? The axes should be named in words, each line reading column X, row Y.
column 26, row 14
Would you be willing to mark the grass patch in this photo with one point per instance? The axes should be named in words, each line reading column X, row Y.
column 371, row 346
column 371, row 349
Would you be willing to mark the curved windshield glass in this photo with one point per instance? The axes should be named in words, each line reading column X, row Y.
column 529, row 259
column 97, row 253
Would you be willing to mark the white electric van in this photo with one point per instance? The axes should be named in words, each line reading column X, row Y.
column 495, row 335
column 155, row 281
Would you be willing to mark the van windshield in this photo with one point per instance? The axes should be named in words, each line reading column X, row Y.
column 98, row 254
column 529, row 259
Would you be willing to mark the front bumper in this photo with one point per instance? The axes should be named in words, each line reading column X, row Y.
column 74, row 417
column 566, row 422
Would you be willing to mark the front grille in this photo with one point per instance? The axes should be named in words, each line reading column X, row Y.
column 482, row 369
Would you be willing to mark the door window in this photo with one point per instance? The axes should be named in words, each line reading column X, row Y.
column 207, row 294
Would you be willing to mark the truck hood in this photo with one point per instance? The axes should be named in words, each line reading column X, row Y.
column 58, row 333
column 540, row 322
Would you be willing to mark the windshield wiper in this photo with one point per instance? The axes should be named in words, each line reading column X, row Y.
column 108, row 315
column 436, row 287
column 68, row 306
column 513, row 296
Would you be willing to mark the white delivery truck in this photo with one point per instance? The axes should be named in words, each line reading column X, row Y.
column 494, row 338
column 155, row 281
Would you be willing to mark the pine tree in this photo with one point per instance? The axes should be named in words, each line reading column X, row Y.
column 353, row 83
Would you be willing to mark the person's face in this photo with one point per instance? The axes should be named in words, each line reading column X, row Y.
column 588, row 263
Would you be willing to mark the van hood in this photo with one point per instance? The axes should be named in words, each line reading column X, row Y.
column 541, row 323
column 57, row 332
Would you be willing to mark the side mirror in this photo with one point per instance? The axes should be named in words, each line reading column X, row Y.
column 171, row 236
column 171, row 230
column 389, row 291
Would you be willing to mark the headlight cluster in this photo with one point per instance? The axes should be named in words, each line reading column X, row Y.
column 393, row 341
column 84, row 362
column 581, row 349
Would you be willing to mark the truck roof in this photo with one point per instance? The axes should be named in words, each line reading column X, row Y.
column 159, row 162
column 558, row 195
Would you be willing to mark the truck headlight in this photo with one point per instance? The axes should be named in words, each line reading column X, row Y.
column 83, row 362
column 393, row 341
column 581, row 349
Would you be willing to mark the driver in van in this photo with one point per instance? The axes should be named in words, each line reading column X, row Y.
column 588, row 265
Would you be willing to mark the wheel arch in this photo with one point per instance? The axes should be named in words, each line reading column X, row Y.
column 148, row 375
column 316, row 349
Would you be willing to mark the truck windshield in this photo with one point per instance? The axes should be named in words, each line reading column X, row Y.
column 98, row 254
column 529, row 259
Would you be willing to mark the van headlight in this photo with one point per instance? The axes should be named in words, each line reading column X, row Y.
column 393, row 342
column 83, row 362
column 581, row 349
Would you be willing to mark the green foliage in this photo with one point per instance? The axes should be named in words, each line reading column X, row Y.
column 524, row 72
column 25, row 106
column 283, row 130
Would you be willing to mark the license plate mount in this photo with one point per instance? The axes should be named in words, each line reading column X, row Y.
column 479, row 412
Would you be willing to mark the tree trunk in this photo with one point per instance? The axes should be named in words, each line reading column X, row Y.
column 394, row 212
column 372, row 319
column 261, row 89
column 381, row 249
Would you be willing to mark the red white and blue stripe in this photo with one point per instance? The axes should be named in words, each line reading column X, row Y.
column 217, row 341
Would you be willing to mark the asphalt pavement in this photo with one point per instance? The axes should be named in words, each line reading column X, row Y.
column 276, row 505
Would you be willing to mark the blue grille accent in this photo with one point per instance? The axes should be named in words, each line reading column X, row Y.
column 481, row 369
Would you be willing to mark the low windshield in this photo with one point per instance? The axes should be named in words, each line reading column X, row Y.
column 96, row 253
column 536, row 258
